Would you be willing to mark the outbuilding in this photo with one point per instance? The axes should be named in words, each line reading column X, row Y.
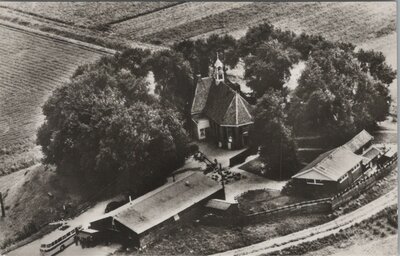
column 142, row 220
column 329, row 173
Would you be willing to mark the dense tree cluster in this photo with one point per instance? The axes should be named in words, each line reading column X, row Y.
column 103, row 124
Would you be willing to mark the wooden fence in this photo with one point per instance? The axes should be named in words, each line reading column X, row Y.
column 362, row 184
column 325, row 204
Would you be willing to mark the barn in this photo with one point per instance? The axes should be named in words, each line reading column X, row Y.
column 329, row 173
column 337, row 169
column 142, row 220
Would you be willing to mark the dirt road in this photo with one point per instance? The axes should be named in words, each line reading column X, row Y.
column 320, row 231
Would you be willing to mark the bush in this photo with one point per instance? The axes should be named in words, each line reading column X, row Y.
column 192, row 149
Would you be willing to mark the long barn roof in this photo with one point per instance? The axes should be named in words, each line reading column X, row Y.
column 359, row 141
column 165, row 202
column 330, row 166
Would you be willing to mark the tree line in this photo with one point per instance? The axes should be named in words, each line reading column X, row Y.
column 104, row 122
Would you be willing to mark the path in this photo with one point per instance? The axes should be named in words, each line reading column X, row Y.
column 314, row 233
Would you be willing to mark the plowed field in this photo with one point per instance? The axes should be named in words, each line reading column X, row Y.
column 31, row 66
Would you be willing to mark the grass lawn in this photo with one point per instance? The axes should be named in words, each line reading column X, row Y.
column 197, row 239
column 262, row 200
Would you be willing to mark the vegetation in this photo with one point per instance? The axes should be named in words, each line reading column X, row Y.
column 202, row 239
column 337, row 97
column 273, row 136
column 341, row 91
column 378, row 226
column 103, row 124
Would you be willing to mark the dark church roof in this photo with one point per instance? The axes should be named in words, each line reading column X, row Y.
column 221, row 103
column 201, row 94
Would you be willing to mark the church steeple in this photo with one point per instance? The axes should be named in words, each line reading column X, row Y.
column 218, row 71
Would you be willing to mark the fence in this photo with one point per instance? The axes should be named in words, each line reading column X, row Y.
column 314, row 206
column 364, row 183
column 325, row 204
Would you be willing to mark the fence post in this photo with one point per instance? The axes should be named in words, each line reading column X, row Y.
column 3, row 212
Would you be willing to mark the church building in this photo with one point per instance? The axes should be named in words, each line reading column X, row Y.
column 219, row 112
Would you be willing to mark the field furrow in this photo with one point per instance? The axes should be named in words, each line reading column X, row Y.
column 31, row 67
column 171, row 17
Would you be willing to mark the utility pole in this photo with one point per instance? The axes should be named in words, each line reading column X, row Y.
column 3, row 212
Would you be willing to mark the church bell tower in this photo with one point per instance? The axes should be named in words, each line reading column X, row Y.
column 218, row 71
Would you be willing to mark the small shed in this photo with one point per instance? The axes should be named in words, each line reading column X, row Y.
column 371, row 156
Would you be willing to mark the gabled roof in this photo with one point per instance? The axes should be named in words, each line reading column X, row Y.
column 165, row 202
column 331, row 165
column 227, row 107
column 201, row 95
column 359, row 141
column 371, row 153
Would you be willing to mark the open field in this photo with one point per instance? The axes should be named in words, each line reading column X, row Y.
column 353, row 22
column 90, row 14
column 170, row 18
column 31, row 67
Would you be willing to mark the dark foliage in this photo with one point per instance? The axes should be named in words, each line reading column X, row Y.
column 103, row 125
column 273, row 136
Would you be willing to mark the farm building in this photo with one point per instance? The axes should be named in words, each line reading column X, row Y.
column 219, row 111
column 338, row 168
column 142, row 220
column 371, row 157
column 330, row 172
column 359, row 143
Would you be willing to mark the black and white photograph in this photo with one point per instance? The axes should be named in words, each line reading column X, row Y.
column 198, row 128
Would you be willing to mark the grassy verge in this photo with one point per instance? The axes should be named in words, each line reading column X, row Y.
column 198, row 239
column 378, row 226
column 261, row 200
column 35, row 197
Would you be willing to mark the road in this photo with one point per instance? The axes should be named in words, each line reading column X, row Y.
column 314, row 233
column 32, row 249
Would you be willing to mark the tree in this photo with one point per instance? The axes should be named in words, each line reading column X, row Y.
column 254, row 37
column 202, row 53
column 174, row 78
column 135, row 60
column 269, row 67
column 273, row 136
column 336, row 97
column 103, row 124
column 374, row 63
